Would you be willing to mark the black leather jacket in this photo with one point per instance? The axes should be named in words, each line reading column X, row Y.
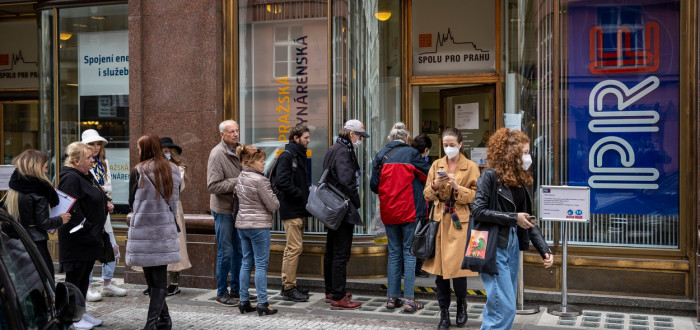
column 34, row 216
column 505, row 216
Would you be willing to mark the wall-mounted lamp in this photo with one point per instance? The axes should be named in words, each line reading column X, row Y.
column 382, row 15
column 275, row 9
column 65, row 36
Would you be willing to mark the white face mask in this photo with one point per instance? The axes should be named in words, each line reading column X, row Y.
column 451, row 152
column 527, row 161
column 357, row 143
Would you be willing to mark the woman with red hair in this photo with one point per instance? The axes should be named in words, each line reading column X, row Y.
column 509, row 161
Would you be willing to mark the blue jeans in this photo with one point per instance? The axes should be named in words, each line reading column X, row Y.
column 108, row 268
column 400, row 238
column 255, row 244
column 499, row 311
column 228, row 253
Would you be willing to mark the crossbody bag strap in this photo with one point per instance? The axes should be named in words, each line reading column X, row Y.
column 164, row 200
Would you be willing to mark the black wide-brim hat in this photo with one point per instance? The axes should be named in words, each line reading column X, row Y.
column 167, row 142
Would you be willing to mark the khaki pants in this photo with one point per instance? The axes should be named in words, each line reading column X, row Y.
column 293, row 230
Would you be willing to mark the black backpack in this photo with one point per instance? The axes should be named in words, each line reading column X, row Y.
column 272, row 172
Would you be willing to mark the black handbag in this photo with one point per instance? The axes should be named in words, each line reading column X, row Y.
column 482, row 242
column 327, row 203
column 107, row 250
column 423, row 245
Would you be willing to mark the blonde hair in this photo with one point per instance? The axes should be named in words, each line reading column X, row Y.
column 249, row 154
column 76, row 151
column 29, row 163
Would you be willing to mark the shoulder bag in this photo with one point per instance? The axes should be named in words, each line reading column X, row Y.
column 482, row 242
column 423, row 245
column 327, row 203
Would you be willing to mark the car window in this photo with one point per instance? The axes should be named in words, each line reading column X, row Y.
column 25, row 276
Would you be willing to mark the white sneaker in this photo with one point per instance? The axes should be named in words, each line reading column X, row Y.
column 93, row 294
column 113, row 290
column 83, row 325
column 92, row 320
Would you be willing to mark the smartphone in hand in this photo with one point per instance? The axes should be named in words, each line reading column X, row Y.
column 441, row 173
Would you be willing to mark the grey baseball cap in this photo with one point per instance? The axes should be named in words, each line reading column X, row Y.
column 356, row 126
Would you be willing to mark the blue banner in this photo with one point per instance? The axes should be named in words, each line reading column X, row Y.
column 623, row 85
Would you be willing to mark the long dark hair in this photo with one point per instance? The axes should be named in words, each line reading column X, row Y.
column 152, row 152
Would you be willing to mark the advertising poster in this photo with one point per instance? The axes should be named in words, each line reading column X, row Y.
column 18, row 55
column 119, row 171
column 623, row 129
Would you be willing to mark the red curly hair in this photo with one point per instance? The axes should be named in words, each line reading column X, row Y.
column 505, row 156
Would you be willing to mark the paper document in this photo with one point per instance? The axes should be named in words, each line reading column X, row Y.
column 65, row 202
column 78, row 227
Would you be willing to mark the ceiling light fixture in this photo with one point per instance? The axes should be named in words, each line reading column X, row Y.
column 65, row 35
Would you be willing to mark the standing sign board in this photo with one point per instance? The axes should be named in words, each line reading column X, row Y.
column 565, row 203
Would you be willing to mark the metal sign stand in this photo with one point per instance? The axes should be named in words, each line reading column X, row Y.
column 565, row 204
column 523, row 309
column 564, row 309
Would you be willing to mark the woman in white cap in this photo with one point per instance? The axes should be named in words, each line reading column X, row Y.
column 100, row 170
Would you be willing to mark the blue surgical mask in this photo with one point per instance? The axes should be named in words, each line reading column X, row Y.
column 168, row 156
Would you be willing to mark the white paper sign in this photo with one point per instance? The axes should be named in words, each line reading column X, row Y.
column 103, row 63
column 513, row 121
column 479, row 156
column 5, row 174
column 118, row 159
column 565, row 203
column 467, row 116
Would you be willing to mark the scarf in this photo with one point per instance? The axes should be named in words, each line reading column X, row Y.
column 450, row 208
column 99, row 171
column 31, row 184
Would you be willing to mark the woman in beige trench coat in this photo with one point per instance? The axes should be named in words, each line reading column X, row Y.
column 458, row 181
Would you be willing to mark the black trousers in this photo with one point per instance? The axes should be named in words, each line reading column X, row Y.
column 443, row 289
column 335, row 261
column 43, row 248
column 156, row 276
column 79, row 275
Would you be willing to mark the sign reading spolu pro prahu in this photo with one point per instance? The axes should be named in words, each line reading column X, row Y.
column 623, row 129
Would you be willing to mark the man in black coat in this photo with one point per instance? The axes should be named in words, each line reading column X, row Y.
column 344, row 172
column 291, row 180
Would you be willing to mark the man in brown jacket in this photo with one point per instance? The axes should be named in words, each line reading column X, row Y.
column 223, row 169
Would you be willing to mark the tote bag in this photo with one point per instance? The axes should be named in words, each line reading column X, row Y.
column 482, row 242
column 327, row 203
column 423, row 245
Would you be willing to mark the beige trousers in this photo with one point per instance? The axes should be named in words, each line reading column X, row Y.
column 293, row 230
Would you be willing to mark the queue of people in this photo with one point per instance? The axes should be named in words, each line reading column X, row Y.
column 450, row 191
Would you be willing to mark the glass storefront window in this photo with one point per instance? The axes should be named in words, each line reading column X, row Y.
column 92, row 83
column 617, row 127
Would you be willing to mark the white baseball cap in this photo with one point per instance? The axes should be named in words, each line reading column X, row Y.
column 356, row 126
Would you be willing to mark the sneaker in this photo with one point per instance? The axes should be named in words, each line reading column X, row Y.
column 237, row 295
column 329, row 296
column 113, row 291
column 93, row 295
column 226, row 300
column 344, row 304
column 422, row 273
column 173, row 289
column 294, row 294
column 303, row 290
column 93, row 320
column 83, row 325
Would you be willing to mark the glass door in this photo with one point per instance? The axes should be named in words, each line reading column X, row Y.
column 20, row 128
column 470, row 108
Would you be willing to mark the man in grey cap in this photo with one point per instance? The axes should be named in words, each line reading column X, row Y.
column 344, row 174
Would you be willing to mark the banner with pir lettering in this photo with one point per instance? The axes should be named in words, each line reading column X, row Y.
column 623, row 84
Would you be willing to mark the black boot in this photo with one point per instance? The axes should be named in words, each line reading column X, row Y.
column 462, row 317
column 155, row 307
column 444, row 318
column 264, row 309
column 164, row 321
column 245, row 307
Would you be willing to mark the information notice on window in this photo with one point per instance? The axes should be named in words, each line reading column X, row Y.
column 565, row 203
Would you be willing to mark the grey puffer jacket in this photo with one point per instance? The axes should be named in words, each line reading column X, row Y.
column 153, row 239
column 255, row 199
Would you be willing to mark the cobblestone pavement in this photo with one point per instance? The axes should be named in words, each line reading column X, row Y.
column 195, row 309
